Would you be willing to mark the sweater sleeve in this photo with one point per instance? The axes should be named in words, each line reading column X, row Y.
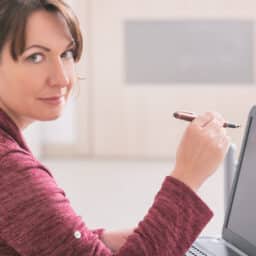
column 36, row 218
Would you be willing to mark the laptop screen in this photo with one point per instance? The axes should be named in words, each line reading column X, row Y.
column 242, row 218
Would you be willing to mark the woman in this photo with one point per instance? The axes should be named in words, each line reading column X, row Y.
column 40, row 42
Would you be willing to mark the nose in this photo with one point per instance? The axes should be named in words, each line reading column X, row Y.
column 59, row 75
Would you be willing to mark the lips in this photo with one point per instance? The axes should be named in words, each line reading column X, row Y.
column 54, row 100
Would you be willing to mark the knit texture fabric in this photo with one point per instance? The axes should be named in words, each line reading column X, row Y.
column 36, row 218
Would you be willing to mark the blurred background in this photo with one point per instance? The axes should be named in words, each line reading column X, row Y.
column 144, row 60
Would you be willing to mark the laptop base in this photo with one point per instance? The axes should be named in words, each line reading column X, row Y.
column 209, row 246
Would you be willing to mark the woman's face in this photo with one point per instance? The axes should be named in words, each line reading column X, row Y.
column 37, row 86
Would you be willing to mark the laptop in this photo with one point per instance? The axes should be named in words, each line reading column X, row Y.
column 239, row 228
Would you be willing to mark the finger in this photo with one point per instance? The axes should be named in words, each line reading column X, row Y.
column 215, row 127
column 224, row 143
column 221, row 142
column 218, row 116
column 204, row 119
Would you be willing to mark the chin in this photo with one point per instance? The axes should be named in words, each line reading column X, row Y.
column 54, row 118
column 50, row 117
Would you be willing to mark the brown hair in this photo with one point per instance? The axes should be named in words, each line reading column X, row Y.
column 14, row 15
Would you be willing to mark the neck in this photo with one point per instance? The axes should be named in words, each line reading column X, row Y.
column 21, row 122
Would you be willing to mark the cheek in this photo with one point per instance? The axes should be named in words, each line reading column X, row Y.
column 28, row 84
column 8, row 73
column 18, row 81
column 11, row 84
column 34, row 79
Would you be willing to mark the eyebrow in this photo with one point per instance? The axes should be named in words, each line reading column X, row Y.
column 45, row 48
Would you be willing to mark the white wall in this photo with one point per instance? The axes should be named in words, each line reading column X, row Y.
column 62, row 130
column 33, row 137
column 117, row 194
column 110, row 118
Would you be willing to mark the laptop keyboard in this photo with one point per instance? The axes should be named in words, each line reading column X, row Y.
column 194, row 251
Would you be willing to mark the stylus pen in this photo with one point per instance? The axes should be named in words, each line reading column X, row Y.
column 187, row 116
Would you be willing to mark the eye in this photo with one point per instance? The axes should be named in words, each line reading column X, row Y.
column 35, row 58
column 69, row 54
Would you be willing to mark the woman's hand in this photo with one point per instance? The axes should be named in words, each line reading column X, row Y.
column 114, row 240
column 201, row 150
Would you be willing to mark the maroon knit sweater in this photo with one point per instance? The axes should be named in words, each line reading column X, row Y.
column 36, row 218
